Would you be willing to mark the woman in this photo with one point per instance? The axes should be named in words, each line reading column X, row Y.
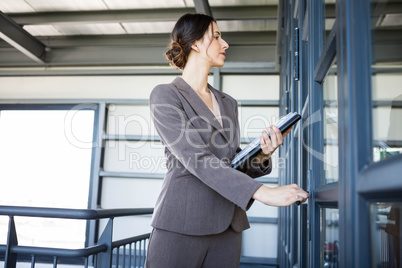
column 200, row 213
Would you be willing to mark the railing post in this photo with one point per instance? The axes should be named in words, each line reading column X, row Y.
column 104, row 259
column 11, row 258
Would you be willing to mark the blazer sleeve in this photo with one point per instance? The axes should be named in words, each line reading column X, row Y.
column 254, row 170
column 185, row 143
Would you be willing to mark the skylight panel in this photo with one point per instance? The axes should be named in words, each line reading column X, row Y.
column 90, row 29
column 329, row 23
column 247, row 25
column 66, row 5
column 242, row 2
column 42, row 30
column 15, row 6
column 392, row 20
column 130, row 4
column 149, row 27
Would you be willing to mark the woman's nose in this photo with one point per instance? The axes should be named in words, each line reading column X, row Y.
column 225, row 45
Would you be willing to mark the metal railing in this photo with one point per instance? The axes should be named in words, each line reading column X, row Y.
column 129, row 252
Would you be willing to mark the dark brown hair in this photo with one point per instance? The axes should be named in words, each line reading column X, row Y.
column 188, row 29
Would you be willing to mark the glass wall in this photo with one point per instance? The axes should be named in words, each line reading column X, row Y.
column 386, row 234
column 353, row 108
column 386, row 79
column 330, row 238
column 330, row 124
column 386, row 18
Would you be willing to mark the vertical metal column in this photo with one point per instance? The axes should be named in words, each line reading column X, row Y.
column 301, row 157
column 291, row 141
column 104, row 259
column 315, row 127
column 98, row 145
column 11, row 258
column 355, row 128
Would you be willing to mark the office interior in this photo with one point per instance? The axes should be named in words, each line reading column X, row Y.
column 82, row 165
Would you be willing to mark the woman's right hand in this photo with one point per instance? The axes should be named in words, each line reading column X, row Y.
column 280, row 196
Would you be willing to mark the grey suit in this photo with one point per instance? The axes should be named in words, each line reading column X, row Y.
column 201, row 193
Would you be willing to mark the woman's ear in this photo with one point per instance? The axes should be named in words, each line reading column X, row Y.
column 195, row 47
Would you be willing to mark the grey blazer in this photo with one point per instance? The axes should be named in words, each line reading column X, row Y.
column 201, row 193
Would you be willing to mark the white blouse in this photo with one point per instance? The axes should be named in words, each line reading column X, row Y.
column 216, row 109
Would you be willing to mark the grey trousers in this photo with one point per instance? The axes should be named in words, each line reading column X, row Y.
column 172, row 250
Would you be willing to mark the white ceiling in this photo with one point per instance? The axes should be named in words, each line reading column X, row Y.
column 22, row 6
column 66, row 29
column 141, row 27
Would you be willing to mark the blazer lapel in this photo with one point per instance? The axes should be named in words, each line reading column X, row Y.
column 199, row 106
column 226, row 112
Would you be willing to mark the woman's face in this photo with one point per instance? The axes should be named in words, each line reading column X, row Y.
column 214, row 46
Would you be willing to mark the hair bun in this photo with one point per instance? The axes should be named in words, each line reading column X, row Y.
column 176, row 55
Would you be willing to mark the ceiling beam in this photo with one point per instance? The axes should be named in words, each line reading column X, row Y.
column 151, row 40
column 20, row 39
column 127, row 56
column 141, row 15
column 202, row 7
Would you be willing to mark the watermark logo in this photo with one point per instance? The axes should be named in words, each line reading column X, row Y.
column 138, row 150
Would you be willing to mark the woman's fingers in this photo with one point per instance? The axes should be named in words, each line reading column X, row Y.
column 299, row 195
column 275, row 139
column 270, row 143
column 302, row 195
column 281, row 196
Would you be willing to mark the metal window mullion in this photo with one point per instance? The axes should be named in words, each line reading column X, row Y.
column 99, row 126
column 149, row 138
column 131, row 175
column 355, row 128
column 302, row 231
column 292, row 142
column 256, row 103
column 315, row 130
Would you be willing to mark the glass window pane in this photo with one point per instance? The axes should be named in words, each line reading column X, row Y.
column 253, row 120
column 134, row 156
column 330, row 123
column 45, row 161
column 255, row 242
column 130, row 120
column 385, row 234
column 386, row 80
column 330, row 238
column 251, row 87
column 330, row 14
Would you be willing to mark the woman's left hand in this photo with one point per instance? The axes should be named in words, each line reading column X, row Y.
column 269, row 145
